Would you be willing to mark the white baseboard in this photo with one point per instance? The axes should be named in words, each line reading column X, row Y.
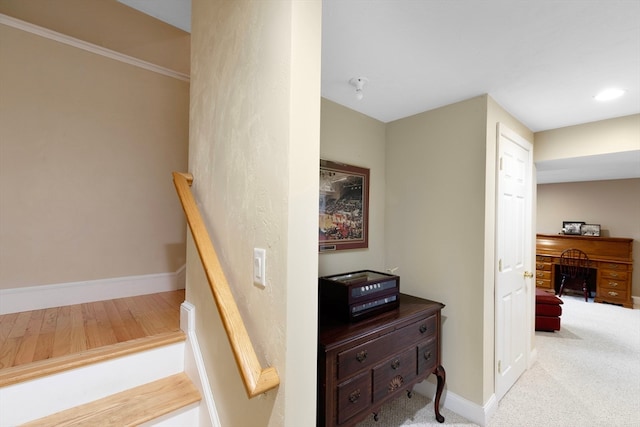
column 195, row 369
column 636, row 302
column 461, row 406
column 61, row 294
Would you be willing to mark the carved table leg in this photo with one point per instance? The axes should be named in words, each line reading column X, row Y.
column 409, row 394
column 375, row 417
column 441, row 374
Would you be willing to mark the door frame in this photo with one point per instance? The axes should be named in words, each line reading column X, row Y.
column 529, row 258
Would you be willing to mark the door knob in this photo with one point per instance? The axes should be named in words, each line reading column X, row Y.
column 528, row 275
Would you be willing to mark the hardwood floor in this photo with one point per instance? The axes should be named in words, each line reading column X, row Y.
column 38, row 335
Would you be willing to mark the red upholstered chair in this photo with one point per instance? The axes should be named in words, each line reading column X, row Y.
column 574, row 267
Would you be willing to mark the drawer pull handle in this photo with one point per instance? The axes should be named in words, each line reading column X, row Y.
column 427, row 355
column 361, row 357
column 614, row 274
column 613, row 294
column 539, row 282
column 613, row 284
column 395, row 383
column 353, row 397
column 423, row 328
column 395, row 364
column 613, row 266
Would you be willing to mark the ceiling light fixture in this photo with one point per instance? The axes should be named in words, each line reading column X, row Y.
column 358, row 83
column 609, row 94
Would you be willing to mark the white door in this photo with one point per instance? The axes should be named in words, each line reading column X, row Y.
column 514, row 257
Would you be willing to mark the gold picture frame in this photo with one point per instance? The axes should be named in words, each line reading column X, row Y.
column 343, row 220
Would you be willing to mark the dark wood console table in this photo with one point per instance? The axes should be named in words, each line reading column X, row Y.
column 610, row 256
column 365, row 364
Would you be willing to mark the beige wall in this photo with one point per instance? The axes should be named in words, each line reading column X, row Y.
column 451, row 219
column 614, row 204
column 87, row 146
column 254, row 151
column 353, row 138
column 411, row 158
column 435, row 226
column 606, row 136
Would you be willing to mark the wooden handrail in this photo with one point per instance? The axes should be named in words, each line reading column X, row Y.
column 256, row 379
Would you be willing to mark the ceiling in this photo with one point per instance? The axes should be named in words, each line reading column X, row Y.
column 541, row 60
column 173, row 12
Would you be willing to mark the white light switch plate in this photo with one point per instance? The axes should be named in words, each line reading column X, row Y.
column 259, row 259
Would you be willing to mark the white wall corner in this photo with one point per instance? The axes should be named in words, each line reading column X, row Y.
column 195, row 369
column 181, row 277
column 57, row 295
column 461, row 406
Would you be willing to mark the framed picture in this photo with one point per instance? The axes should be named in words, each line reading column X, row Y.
column 590, row 230
column 344, row 207
column 571, row 227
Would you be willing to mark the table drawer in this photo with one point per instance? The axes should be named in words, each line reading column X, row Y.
column 613, row 284
column 613, row 266
column 427, row 356
column 540, row 274
column 614, row 274
column 394, row 373
column 543, row 266
column 543, row 283
column 542, row 258
column 374, row 351
column 354, row 396
column 613, row 295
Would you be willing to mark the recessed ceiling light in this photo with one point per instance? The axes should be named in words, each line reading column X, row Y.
column 609, row 94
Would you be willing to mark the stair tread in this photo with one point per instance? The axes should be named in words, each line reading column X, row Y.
column 42, row 368
column 130, row 407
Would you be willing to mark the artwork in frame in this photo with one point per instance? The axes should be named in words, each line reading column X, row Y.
column 343, row 220
column 571, row 227
column 590, row 230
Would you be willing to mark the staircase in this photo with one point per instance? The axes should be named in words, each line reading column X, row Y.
column 136, row 382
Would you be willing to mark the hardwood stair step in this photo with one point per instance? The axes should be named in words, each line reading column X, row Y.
column 43, row 368
column 131, row 407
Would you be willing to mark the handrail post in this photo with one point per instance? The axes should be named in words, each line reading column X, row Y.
column 256, row 379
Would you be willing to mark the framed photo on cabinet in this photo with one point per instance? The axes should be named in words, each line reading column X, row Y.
column 590, row 230
column 572, row 227
column 343, row 219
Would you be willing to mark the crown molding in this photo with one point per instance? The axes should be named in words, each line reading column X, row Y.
column 90, row 47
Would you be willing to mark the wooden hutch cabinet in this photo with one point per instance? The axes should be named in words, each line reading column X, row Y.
column 611, row 257
column 364, row 364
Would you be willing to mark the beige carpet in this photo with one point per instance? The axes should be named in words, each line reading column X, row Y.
column 587, row 374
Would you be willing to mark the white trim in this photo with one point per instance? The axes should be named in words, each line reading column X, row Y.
column 461, row 406
column 90, row 47
column 194, row 367
column 56, row 295
column 636, row 302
